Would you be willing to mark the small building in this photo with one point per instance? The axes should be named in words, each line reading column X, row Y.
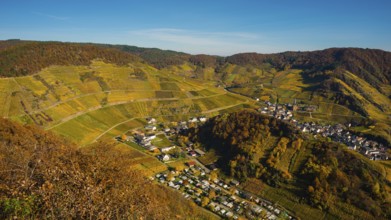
column 192, row 153
column 150, row 137
column 199, row 152
column 151, row 120
column 189, row 143
column 166, row 149
column 256, row 209
column 202, row 119
column 191, row 163
column 151, row 148
column 140, row 136
column 234, row 182
column 193, row 120
column 246, row 196
column 150, row 127
column 165, row 157
column 212, row 166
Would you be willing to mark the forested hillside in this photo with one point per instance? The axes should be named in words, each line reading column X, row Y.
column 25, row 58
column 156, row 57
column 371, row 65
column 43, row 176
column 325, row 174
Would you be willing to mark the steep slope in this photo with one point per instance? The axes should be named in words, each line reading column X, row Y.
column 43, row 176
column 87, row 102
column 358, row 79
column 372, row 65
column 342, row 183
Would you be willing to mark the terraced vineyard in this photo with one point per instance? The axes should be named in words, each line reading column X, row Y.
column 87, row 103
column 288, row 86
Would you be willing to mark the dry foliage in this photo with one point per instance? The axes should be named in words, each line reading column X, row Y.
column 43, row 176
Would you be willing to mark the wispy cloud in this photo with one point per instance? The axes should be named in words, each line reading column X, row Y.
column 51, row 16
column 193, row 41
column 191, row 37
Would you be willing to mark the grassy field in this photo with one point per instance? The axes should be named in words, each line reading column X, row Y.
column 209, row 157
column 161, row 141
column 147, row 164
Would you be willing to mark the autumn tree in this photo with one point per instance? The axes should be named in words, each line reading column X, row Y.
column 212, row 194
column 204, row 201
column 170, row 176
column 43, row 176
column 124, row 137
column 213, row 175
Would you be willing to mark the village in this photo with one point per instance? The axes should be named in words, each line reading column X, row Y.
column 218, row 196
column 337, row 132
column 158, row 139
column 196, row 181
column 200, row 183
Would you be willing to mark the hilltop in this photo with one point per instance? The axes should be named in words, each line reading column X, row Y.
column 25, row 58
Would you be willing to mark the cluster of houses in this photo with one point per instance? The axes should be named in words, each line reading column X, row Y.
column 226, row 201
column 144, row 137
column 278, row 111
column 145, row 140
column 285, row 111
column 195, row 183
column 338, row 133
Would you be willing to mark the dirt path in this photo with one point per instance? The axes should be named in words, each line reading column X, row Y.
column 111, row 128
column 88, row 94
column 118, row 124
column 63, row 120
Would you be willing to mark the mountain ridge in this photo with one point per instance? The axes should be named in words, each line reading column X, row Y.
column 359, row 79
column 280, row 58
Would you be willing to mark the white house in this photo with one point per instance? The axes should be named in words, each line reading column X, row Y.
column 166, row 149
column 165, row 157
column 150, row 127
column 203, row 119
column 151, row 120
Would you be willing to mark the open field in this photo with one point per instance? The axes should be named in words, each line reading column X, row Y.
column 147, row 164
column 209, row 157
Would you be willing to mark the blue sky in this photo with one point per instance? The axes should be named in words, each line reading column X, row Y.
column 199, row 26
